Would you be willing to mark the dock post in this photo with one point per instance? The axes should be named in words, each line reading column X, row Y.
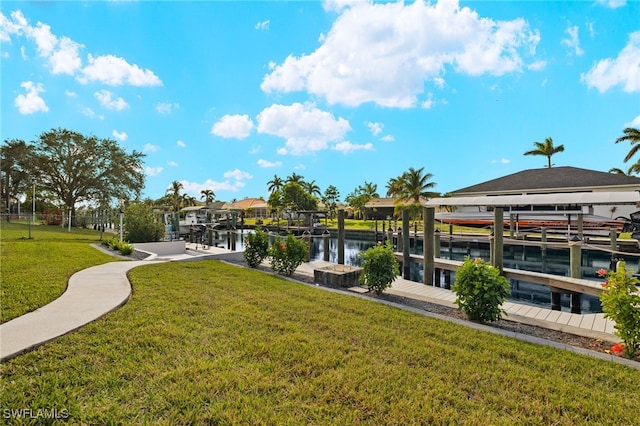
column 575, row 256
column 341, row 236
column 555, row 300
column 613, row 235
column 306, row 235
column 543, row 248
column 429, row 241
column 325, row 244
column 406, row 240
column 498, row 223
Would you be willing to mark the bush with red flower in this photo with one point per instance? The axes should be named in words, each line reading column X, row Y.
column 286, row 256
column 257, row 248
column 620, row 301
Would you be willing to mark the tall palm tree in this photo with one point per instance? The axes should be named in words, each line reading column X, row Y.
column 632, row 135
column 546, row 149
column 188, row 200
column 174, row 192
column 415, row 185
column 394, row 187
column 370, row 189
column 208, row 195
column 275, row 184
column 295, row 178
column 312, row 188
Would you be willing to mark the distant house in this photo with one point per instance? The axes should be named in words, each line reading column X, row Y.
column 250, row 207
column 384, row 208
column 558, row 180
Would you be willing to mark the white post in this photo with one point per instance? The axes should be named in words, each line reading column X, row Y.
column 121, row 215
column 69, row 219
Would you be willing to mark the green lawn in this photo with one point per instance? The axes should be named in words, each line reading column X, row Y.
column 36, row 271
column 210, row 343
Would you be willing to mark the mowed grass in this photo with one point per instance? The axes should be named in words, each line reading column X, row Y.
column 35, row 271
column 211, row 343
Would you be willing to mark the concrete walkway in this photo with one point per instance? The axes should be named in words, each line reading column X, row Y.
column 96, row 291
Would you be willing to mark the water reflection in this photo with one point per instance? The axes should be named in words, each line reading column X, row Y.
column 531, row 258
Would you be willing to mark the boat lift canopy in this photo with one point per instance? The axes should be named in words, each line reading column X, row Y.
column 556, row 199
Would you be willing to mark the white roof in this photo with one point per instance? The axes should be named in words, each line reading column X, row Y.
column 557, row 199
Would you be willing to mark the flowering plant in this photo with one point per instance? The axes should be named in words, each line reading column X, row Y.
column 257, row 247
column 480, row 290
column 288, row 255
column 621, row 302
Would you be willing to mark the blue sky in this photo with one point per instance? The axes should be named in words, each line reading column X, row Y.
column 225, row 95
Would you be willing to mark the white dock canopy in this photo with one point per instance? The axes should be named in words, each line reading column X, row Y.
column 557, row 199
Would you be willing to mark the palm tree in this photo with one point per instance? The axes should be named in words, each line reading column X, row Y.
column 394, row 187
column 370, row 189
column 208, row 195
column 295, row 178
column 312, row 188
column 632, row 135
column 188, row 200
column 546, row 149
column 414, row 185
column 174, row 192
column 633, row 169
column 275, row 184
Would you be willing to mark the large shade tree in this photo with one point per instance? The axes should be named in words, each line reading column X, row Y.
column 78, row 168
column 546, row 149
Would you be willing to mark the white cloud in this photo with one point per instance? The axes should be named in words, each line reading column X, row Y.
column 573, row 42
column 31, row 102
column 347, row 147
column 121, row 136
column 501, row 161
column 172, row 163
column 23, row 53
column 633, row 123
column 429, row 102
column 233, row 126
column 268, row 164
column 181, row 144
column 237, row 174
column 106, row 99
column 263, row 26
column 384, row 52
column 153, row 171
column 165, row 108
column 305, row 128
column 388, row 138
column 92, row 114
column 195, row 188
column 612, row 4
column 115, row 71
column 537, row 65
column 71, row 93
column 375, row 128
column 439, row 82
column 149, row 147
column 622, row 70
column 66, row 58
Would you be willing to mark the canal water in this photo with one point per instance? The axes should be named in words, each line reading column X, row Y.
column 530, row 258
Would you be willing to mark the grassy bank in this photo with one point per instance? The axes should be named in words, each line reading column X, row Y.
column 36, row 271
column 211, row 343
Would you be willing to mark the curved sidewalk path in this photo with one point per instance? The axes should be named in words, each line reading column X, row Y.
column 90, row 294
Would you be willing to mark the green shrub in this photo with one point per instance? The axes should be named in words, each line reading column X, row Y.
column 141, row 225
column 480, row 290
column 288, row 255
column 379, row 267
column 125, row 248
column 257, row 248
column 621, row 302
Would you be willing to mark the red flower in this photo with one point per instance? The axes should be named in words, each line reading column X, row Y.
column 605, row 284
column 281, row 246
column 617, row 349
column 601, row 272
